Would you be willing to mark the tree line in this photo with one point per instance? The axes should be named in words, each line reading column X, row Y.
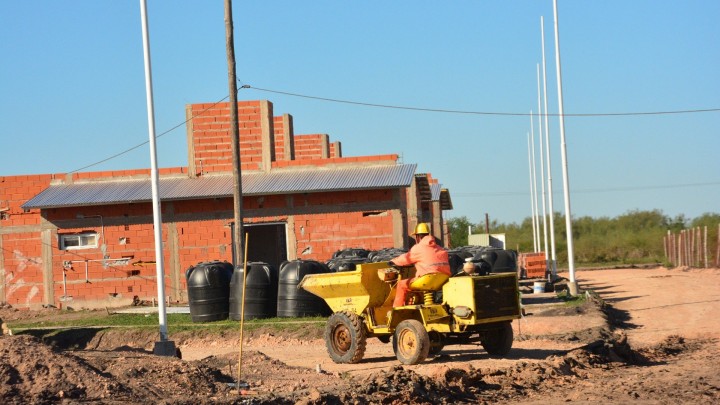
column 636, row 237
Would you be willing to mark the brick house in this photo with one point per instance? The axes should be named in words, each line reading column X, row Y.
column 85, row 240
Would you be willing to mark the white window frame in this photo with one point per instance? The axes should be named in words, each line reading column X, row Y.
column 82, row 240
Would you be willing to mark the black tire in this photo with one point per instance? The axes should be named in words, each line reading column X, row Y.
column 498, row 342
column 345, row 337
column 411, row 342
column 437, row 343
column 384, row 338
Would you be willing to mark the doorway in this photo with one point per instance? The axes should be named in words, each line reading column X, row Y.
column 267, row 243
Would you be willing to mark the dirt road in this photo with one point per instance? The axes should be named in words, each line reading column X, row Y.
column 650, row 304
column 650, row 338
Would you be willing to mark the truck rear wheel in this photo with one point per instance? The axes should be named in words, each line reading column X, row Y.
column 498, row 342
column 437, row 343
column 345, row 337
column 411, row 342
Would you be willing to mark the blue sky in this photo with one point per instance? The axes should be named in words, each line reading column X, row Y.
column 72, row 90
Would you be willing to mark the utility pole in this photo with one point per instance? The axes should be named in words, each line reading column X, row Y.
column 572, row 285
column 234, row 138
column 163, row 347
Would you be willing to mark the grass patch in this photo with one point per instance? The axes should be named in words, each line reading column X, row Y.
column 175, row 323
column 571, row 301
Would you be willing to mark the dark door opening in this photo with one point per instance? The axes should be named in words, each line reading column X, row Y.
column 266, row 243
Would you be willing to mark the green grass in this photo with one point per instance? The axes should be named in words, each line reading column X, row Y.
column 175, row 323
column 571, row 301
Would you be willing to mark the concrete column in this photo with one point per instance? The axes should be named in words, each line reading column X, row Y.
column 437, row 228
column 192, row 169
column 291, row 238
column 2, row 270
column 400, row 230
column 268, row 135
column 46, row 254
column 289, row 135
column 174, row 262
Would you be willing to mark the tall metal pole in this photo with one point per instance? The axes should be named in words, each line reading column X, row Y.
column 542, row 167
column 234, row 136
column 532, row 202
column 553, row 260
column 536, row 236
column 164, row 347
column 566, row 181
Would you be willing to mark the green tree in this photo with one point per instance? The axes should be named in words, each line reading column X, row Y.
column 458, row 229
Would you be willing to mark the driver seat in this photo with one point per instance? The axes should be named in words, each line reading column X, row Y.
column 428, row 284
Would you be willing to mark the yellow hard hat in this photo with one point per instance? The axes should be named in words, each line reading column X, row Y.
column 422, row 228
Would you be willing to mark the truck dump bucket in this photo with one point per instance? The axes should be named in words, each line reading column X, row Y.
column 349, row 290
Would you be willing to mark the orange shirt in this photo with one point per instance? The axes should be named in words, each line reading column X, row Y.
column 427, row 257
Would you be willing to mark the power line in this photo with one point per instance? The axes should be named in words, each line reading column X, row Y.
column 156, row 137
column 366, row 104
column 440, row 110
column 590, row 191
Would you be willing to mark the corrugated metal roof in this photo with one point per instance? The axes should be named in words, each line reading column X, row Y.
column 442, row 195
column 282, row 182
column 435, row 191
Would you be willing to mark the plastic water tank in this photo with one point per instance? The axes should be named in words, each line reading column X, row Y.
column 293, row 302
column 208, row 286
column 260, row 291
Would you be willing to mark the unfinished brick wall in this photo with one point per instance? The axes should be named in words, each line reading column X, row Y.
column 312, row 146
column 338, row 161
column 284, row 137
column 335, row 149
column 21, row 262
column 320, row 235
column 209, row 142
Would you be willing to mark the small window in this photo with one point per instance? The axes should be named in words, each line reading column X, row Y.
column 85, row 240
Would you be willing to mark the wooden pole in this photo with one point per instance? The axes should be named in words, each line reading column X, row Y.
column 234, row 134
column 672, row 249
column 705, row 247
column 688, row 250
column 717, row 252
column 681, row 248
column 699, row 247
column 242, row 315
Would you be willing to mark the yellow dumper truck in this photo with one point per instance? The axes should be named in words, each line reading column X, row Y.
column 441, row 311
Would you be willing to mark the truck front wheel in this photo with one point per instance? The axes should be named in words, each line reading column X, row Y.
column 345, row 337
column 498, row 342
column 411, row 342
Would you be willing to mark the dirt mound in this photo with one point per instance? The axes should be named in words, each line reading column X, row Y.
column 33, row 372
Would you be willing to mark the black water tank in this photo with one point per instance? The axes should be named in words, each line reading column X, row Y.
column 456, row 262
column 260, row 291
column 208, row 286
column 294, row 302
column 500, row 260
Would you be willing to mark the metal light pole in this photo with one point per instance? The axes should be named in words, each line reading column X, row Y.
column 542, row 167
column 553, row 260
column 566, row 181
column 164, row 347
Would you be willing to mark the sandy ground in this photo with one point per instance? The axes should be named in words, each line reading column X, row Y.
column 659, row 302
column 649, row 337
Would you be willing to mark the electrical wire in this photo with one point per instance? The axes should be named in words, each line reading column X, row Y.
column 156, row 137
column 366, row 104
column 438, row 110
column 591, row 190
